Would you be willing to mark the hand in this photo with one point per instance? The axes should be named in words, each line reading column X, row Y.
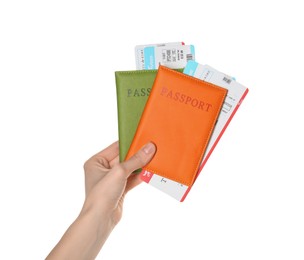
column 106, row 183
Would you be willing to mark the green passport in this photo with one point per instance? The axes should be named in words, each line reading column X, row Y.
column 132, row 88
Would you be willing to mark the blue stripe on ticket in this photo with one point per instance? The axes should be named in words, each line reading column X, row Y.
column 190, row 67
column 149, row 56
column 192, row 50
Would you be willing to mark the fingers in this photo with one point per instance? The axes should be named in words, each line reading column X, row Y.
column 133, row 181
column 140, row 159
column 101, row 161
column 108, row 153
column 114, row 161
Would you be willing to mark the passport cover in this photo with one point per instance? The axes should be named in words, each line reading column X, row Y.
column 178, row 118
column 132, row 89
column 234, row 98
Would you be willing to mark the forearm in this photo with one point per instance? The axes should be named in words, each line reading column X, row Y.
column 84, row 238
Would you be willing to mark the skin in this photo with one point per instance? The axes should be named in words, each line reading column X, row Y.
column 106, row 184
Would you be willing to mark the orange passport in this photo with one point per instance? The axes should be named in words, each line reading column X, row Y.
column 178, row 118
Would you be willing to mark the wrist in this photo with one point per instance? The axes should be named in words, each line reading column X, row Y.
column 85, row 237
column 98, row 223
column 98, row 213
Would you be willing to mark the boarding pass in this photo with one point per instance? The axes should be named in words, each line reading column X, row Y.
column 172, row 55
column 235, row 96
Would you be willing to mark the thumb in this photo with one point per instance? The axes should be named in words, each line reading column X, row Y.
column 140, row 159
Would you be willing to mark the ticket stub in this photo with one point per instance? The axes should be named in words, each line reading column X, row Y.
column 173, row 56
column 139, row 52
column 235, row 96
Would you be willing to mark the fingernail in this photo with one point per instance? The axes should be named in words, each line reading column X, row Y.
column 149, row 148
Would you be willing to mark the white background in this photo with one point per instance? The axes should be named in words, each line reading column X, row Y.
column 58, row 107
